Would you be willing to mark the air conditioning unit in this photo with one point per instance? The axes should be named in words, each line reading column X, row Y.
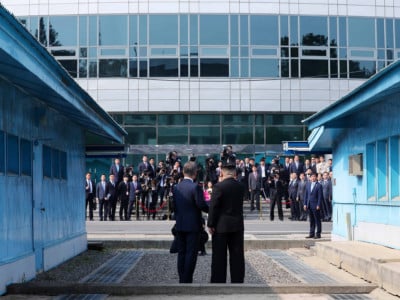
column 356, row 165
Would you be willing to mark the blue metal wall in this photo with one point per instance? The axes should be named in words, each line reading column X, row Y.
column 37, row 212
column 368, row 125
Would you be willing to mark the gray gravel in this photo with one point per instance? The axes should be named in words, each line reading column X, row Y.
column 160, row 267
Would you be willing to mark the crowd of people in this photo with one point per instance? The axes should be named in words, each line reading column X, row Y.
column 147, row 189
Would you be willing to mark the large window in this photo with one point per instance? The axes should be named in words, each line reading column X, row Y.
column 113, row 30
column 12, row 154
column 26, row 157
column 163, row 29
column 63, row 31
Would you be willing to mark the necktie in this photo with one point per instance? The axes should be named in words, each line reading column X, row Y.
column 312, row 186
column 103, row 185
column 117, row 168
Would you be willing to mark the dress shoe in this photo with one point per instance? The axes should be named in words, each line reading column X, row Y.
column 309, row 237
column 317, row 237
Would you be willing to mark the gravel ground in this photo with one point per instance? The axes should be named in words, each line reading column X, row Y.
column 160, row 267
column 78, row 267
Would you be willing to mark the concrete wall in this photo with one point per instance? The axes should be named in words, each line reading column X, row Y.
column 38, row 215
column 372, row 221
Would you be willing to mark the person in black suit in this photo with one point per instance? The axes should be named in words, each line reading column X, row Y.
column 117, row 170
column 188, row 204
column 296, row 166
column 276, row 193
column 111, row 196
column 135, row 190
column 327, row 197
column 312, row 203
column 123, row 191
column 101, row 195
column 293, row 197
column 143, row 166
column 254, row 188
column 90, row 193
column 225, row 223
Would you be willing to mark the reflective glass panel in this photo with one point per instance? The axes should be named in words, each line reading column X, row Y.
column 259, row 135
column 357, row 29
column 389, row 33
column 275, row 135
column 33, row 26
column 397, row 32
column 284, row 119
column 313, row 31
column 361, row 69
column 55, row 163
column 43, row 32
column 163, row 51
column 143, row 68
column 237, row 119
column 141, row 135
column 314, row 68
column 83, row 68
column 204, row 119
column 264, row 52
column 133, row 30
column 92, row 68
column 173, row 119
column 113, row 30
column 140, row 119
column 264, row 68
column 184, row 29
column 214, row 67
column 194, row 30
column 194, row 67
column 294, row 34
column 334, row 68
column 172, row 135
column 133, row 68
column 284, row 31
column 2, row 152
column 244, row 67
column 71, row 66
column 204, row 135
column 237, row 135
column 184, row 68
column 343, row 68
column 333, row 37
column 294, row 67
column 264, row 30
column 214, row 51
column 234, row 67
column 234, row 30
column 113, row 68
column 143, row 29
column 214, row 30
column 244, row 30
column 342, row 32
column 380, row 27
column 163, row 67
column 63, row 31
column 112, row 52
column 83, row 52
column 259, row 119
column 285, row 68
column 93, row 30
column 163, row 29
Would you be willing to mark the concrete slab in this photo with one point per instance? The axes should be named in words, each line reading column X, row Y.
column 390, row 277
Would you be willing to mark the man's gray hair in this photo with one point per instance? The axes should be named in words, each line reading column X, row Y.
column 190, row 169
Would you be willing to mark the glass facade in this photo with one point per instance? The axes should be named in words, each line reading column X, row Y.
column 212, row 129
column 218, row 45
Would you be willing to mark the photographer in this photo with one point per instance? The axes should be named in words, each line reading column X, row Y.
column 211, row 173
column 161, row 184
column 227, row 155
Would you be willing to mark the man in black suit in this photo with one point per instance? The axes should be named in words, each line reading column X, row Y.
column 276, row 193
column 117, row 170
column 123, row 195
column 134, row 194
column 312, row 203
column 327, row 197
column 293, row 197
column 225, row 222
column 90, row 192
column 111, row 195
column 101, row 195
column 188, row 202
column 296, row 166
column 143, row 166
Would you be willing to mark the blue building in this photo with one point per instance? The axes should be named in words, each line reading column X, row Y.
column 44, row 115
column 363, row 131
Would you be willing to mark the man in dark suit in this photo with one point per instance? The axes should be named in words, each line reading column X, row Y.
column 135, row 190
column 101, row 195
column 312, row 203
column 293, row 197
column 327, row 197
column 254, row 188
column 123, row 191
column 143, row 166
column 225, row 222
column 117, row 170
column 301, row 191
column 111, row 195
column 90, row 192
column 296, row 166
column 276, row 192
column 188, row 204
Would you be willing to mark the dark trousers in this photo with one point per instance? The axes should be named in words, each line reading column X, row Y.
column 255, row 197
column 113, row 208
column 315, row 220
column 188, row 246
column 104, row 209
column 221, row 242
column 326, row 213
column 123, row 209
column 132, row 203
column 303, row 213
column 89, row 202
column 276, row 199
column 294, row 208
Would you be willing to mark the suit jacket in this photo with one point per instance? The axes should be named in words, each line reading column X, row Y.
column 294, row 169
column 188, row 201
column 87, row 191
column 301, row 189
column 327, row 189
column 123, row 188
column 142, row 167
column 111, row 191
column 226, row 208
column 313, row 198
column 119, row 175
column 100, row 192
column 254, row 183
column 132, row 194
column 292, row 189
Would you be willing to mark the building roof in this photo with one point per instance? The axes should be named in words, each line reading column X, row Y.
column 330, row 121
column 27, row 64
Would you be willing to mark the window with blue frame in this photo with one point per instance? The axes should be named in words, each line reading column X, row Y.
column 394, row 167
column 370, row 163
column 54, row 163
column 26, row 157
column 382, row 169
column 12, row 154
column 46, row 161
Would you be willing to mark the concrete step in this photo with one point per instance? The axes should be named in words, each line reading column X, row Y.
column 374, row 263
